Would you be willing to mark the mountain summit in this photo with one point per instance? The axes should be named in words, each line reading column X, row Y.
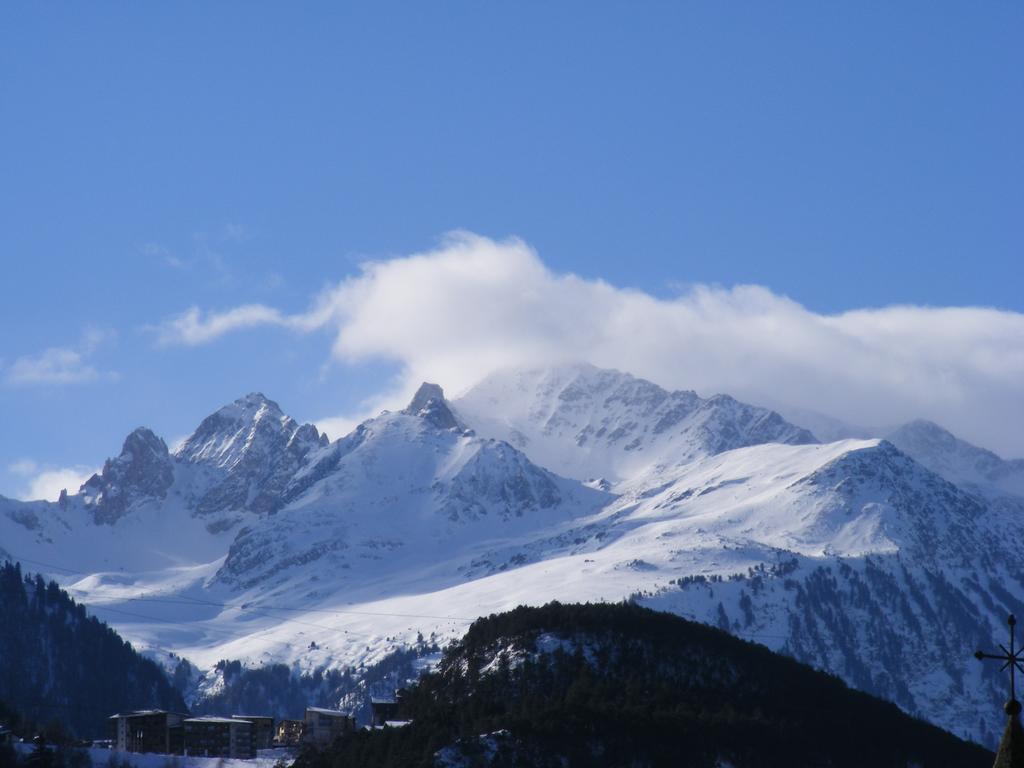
column 959, row 461
column 232, row 435
column 585, row 422
column 254, row 450
column 429, row 403
column 142, row 471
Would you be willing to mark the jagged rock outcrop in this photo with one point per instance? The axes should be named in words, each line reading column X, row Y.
column 256, row 449
column 143, row 471
column 429, row 403
column 401, row 486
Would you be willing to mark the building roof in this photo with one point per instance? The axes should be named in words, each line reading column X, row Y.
column 215, row 719
column 1011, row 747
column 142, row 713
column 332, row 712
column 253, row 717
column 383, row 700
column 388, row 724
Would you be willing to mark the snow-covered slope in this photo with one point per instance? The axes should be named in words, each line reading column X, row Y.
column 590, row 423
column 403, row 489
column 128, row 519
column 255, row 508
column 258, row 540
column 926, row 442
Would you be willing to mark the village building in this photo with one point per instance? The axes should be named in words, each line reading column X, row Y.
column 147, row 730
column 382, row 710
column 6, row 737
column 323, row 726
column 263, row 729
column 209, row 736
column 289, row 732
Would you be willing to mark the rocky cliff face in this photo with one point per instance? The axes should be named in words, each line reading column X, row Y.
column 404, row 488
column 142, row 472
column 255, row 449
column 429, row 403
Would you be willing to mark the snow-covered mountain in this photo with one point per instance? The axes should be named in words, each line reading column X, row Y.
column 958, row 461
column 143, row 471
column 259, row 540
column 589, row 423
column 389, row 498
column 254, row 448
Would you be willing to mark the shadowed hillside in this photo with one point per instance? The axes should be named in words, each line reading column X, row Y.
column 617, row 685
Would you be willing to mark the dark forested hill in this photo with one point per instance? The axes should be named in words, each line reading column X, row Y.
column 59, row 663
column 620, row 685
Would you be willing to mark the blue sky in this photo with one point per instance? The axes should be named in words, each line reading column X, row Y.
column 213, row 155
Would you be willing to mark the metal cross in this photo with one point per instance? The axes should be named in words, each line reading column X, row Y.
column 1011, row 658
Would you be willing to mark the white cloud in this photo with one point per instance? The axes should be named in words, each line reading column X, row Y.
column 338, row 426
column 57, row 365
column 48, row 483
column 61, row 365
column 474, row 305
column 23, row 467
column 194, row 327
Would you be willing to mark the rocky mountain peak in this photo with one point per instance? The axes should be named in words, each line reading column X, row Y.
column 429, row 404
column 307, row 436
column 256, row 447
column 224, row 437
column 142, row 471
column 255, row 405
column 924, row 430
column 142, row 443
column 255, row 398
column 423, row 396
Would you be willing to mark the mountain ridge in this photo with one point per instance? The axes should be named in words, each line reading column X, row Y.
column 618, row 423
column 421, row 519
